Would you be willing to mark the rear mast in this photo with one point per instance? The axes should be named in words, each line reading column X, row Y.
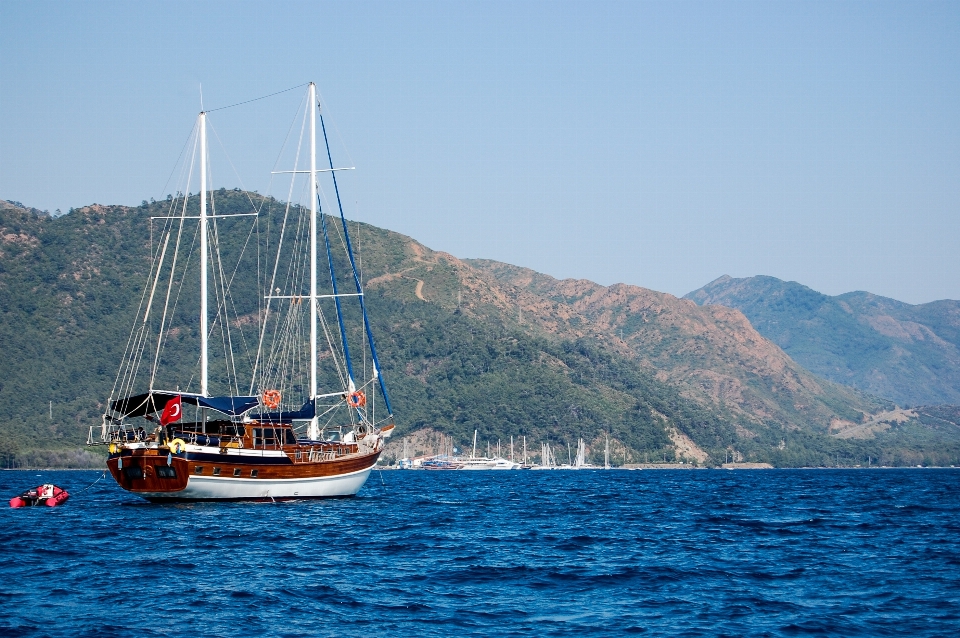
column 313, row 431
column 203, row 255
column 204, row 359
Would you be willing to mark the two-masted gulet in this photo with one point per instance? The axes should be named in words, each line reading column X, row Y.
column 267, row 444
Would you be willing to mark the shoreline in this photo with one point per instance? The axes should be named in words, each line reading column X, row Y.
column 628, row 467
column 725, row 466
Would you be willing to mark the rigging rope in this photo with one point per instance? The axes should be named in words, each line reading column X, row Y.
column 363, row 306
column 94, row 483
column 276, row 263
column 166, row 303
column 174, row 169
column 336, row 298
column 256, row 99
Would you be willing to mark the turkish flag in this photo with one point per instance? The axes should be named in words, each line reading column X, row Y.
column 172, row 412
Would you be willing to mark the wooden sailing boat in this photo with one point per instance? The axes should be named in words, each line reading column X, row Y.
column 256, row 446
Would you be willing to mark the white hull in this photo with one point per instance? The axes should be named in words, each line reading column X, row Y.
column 489, row 464
column 202, row 488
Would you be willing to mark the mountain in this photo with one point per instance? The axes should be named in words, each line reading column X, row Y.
column 465, row 345
column 909, row 354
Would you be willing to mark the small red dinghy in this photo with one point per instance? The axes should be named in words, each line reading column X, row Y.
column 47, row 494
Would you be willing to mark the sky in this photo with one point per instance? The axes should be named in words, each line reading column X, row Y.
column 661, row 144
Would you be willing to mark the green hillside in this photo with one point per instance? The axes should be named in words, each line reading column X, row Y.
column 908, row 354
column 464, row 345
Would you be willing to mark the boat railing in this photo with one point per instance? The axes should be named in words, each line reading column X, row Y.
column 323, row 454
column 128, row 433
column 329, row 452
column 194, row 438
column 108, row 433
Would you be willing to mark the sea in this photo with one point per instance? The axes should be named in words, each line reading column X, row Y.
column 515, row 553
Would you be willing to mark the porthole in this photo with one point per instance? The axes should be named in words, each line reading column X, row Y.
column 134, row 472
column 166, row 472
column 236, row 471
column 198, row 469
column 216, row 471
column 253, row 473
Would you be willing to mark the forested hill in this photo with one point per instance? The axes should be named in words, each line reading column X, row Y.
column 464, row 345
column 906, row 353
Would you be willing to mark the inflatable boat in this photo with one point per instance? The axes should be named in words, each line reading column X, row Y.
column 47, row 494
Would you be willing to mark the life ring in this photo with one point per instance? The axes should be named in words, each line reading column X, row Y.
column 271, row 399
column 357, row 399
column 177, row 446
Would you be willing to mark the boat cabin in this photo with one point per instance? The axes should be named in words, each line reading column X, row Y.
column 251, row 435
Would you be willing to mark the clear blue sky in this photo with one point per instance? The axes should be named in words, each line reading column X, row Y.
column 658, row 144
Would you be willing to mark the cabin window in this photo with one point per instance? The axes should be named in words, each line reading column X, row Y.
column 290, row 436
column 236, row 471
column 216, row 471
column 166, row 471
column 253, row 473
column 233, row 429
column 133, row 472
column 198, row 469
column 262, row 437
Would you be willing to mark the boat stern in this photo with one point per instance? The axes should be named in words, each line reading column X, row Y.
column 152, row 473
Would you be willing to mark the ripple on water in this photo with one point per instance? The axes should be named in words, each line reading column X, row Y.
column 498, row 554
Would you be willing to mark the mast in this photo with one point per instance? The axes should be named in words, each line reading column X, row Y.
column 313, row 433
column 203, row 255
column 474, row 444
column 313, row 240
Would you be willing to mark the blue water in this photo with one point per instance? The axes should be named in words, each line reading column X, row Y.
column 832, row 552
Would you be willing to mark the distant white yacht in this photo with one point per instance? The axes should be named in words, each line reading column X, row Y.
column 485, row 463
column 475, row 462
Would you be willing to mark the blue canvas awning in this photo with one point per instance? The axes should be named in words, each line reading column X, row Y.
column 306, row 411
column 150, row 402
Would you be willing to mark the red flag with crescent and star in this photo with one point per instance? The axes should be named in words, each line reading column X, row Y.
column 172, row 412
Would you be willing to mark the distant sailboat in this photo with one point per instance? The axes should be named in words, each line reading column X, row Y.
column 581, row 463
column 548, row 459
column 547, row 462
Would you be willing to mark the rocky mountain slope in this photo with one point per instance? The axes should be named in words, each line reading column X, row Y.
column 466, row 345
column 908, row 354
